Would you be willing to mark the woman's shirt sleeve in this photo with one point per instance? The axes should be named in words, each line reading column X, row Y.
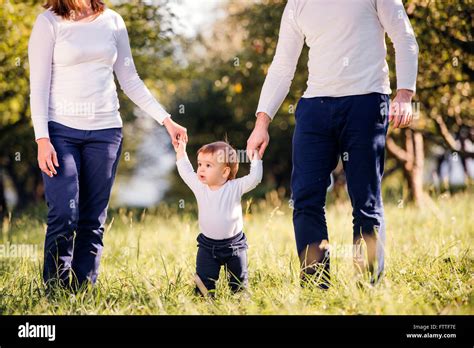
column 40, row 58
column 129, row 80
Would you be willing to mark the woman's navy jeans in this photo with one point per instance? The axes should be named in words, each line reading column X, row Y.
column 77, row 199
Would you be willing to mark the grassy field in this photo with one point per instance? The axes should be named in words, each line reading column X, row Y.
column 149, row 259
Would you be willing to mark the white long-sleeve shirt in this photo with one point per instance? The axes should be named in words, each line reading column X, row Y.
column 220, row 211
column 346, row 40
column 71, row 73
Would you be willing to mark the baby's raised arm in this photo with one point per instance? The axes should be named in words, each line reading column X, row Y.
column 250, row 181
column 185, row 168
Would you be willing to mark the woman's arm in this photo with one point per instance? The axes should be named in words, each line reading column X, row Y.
column 129, row 80
column 40, row 58
column 136, row 90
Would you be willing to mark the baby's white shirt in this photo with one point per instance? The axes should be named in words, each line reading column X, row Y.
column 220, row 211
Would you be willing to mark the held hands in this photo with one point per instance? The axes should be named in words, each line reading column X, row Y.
column 180, row 149
column 47, row 157
column 175, row 131
column 259, row 139
column 401, row 110
column 254, row 155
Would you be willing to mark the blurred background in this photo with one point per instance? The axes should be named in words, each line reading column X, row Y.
column 206, row 61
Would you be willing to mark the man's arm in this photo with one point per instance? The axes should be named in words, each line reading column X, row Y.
column 395, row 22
column 283, row 67
column 278, row 80
column 259, row 139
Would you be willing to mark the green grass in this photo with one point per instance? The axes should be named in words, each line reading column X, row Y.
column 149, row 260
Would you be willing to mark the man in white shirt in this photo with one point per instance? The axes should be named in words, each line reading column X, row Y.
column 341, row 114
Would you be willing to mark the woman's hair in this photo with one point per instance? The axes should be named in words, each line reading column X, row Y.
column 65, row 8
column 225, row 154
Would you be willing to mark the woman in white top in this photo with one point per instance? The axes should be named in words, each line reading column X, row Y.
column 74, row 49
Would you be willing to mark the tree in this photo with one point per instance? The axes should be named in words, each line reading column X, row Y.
column 444, row 34
column 17, row 153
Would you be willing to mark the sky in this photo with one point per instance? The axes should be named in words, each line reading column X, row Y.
column 195, row 15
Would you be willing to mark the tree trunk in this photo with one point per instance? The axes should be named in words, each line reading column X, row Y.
column 414, row 167
column 20, row 183
column 413, row 159
column 3, row 202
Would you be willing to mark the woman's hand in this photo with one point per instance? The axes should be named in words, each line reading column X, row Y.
column 47, row 157
column 180, row 149
column 175, row 131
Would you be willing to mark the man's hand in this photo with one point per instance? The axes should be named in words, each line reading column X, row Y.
column 47, row 157
column 400, row 109
column 175, row 131
column 259, row 139
column 254, row 155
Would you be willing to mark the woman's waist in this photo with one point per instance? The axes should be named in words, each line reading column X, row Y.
column 79, row 103
column 94, row 122
column 82, row 83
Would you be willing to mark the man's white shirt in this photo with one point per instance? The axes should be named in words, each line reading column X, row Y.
column 346, row 40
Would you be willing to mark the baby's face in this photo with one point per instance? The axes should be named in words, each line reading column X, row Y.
column 210, row 171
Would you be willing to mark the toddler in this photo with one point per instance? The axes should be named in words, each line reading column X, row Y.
column 221, row 241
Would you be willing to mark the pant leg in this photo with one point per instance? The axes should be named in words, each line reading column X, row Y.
column 62, row 198
column 315, row 155
column 100, row 155
column 237, row 270
column 236, row 264
column 362, row 138
column 207, row 268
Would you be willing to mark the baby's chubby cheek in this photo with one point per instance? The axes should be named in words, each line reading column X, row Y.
column 213, row 177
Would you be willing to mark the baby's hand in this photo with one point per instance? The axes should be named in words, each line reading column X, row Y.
column 254, row 155
column 180, row 148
